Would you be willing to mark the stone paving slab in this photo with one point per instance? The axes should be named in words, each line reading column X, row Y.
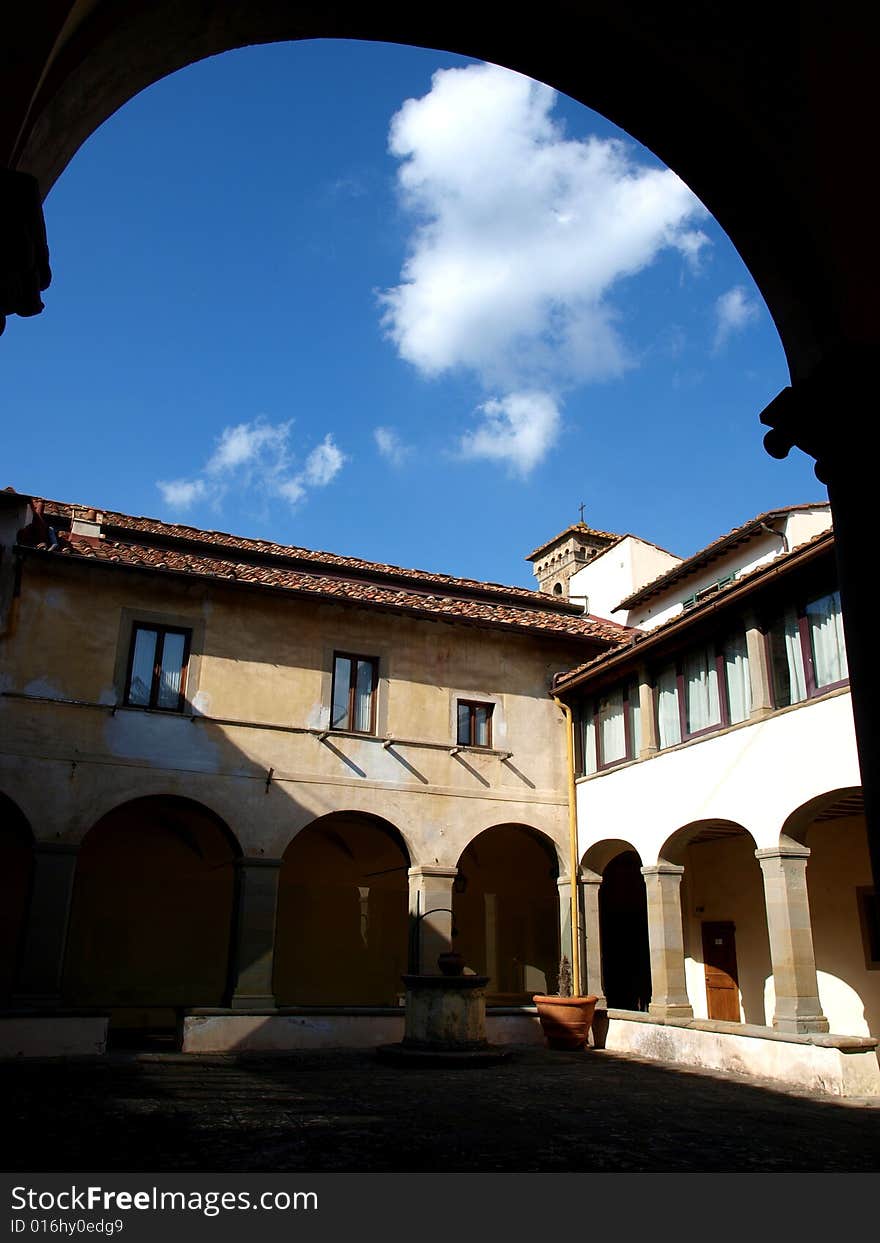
column 344, row 1111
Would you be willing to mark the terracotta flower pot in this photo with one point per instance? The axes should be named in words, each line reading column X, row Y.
column 566, row 1021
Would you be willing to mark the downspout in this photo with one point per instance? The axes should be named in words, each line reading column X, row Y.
column 573, row 867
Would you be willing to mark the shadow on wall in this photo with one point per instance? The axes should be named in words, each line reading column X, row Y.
column 506, row 912
column 843, row 909
column 343, row 923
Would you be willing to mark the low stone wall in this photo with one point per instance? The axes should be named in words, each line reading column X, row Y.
column 229, row 1031
column 53, row 1035
column 839, row 1065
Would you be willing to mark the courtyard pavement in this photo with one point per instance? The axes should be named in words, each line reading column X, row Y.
column 343, row 1111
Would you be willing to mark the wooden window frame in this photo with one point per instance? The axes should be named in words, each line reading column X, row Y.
column 355, row 658
column 472, row 705
column 812, row 691
column 630, row 690
column 723, row 699
column 160, row 632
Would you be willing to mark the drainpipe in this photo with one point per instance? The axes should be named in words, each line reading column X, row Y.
column 573, row 866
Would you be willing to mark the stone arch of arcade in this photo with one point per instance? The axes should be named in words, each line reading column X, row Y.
column 342, row 929
column 506, row 903
column 724, row 925
column 616, row 925
column 152, row 912
column 844, row 914
column 16, row 866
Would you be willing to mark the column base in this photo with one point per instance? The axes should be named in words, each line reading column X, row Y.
column 660, row 1010
column 253, row 1001
column 802, row 1025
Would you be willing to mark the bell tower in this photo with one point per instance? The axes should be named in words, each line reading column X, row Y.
column 556, row 561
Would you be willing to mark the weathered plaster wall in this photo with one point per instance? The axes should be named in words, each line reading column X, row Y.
column 268, row 661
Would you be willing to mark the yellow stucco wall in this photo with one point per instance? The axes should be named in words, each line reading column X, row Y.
column 267, row 660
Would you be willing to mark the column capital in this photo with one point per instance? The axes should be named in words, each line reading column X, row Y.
column 432, row 869
column 794, row 851
column 798, row 415
column 663, row 869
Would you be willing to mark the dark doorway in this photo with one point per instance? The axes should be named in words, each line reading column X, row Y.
column 623, row 922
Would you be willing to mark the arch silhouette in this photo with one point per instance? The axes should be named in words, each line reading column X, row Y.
column 656, row 75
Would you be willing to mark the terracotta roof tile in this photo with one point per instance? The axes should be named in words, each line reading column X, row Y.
column 532, row 615
column 122, row 526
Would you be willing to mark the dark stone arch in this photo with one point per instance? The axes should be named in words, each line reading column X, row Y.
column 506, row 911
column 682, row 83
column 342, row 929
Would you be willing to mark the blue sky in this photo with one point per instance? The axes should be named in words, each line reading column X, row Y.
column 289, row 303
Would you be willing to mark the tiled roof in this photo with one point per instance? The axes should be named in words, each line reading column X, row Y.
column 721, row 545
column 122, row 526
column 534, row 613
column 638, row 638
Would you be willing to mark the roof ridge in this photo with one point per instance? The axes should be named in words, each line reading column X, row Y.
column 142, row 525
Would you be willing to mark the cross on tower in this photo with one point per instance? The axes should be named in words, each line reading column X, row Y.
column 582, row 507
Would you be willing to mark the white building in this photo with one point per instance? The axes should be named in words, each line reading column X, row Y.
column 716, row 756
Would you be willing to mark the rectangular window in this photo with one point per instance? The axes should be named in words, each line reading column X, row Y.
column 827, row 651
column 474, row 723
column 354, row 693
column 157, row 664
column 707, row 689
column 608, row 729
column 807, row 650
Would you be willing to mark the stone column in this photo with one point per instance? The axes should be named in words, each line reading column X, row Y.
column 593, row 952
column 45, row 933
column 669, row 999
column 252, row 952
column 760, row 679
column 430, row 914
column 563, row 886
column 791, row 939
column 649, row 744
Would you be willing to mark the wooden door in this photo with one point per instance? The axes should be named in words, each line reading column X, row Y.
column 719, row 960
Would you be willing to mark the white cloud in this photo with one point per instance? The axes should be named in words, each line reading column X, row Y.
column 180, row 494
column 256, row 456
column 323, row 464
column 521, row 236
column 390, row 446
column 519, row 430
column 247, row 443
column 733, row 311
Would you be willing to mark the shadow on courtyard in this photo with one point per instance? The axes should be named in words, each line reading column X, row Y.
column 341, row 1111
